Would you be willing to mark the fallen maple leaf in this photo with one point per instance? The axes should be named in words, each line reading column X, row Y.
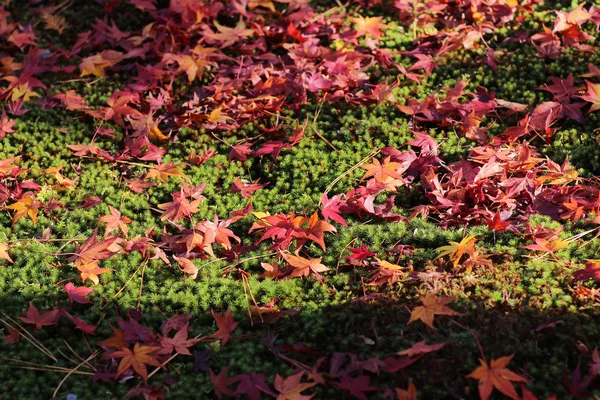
column 91, row 271
column 115, row 221
column 179, row 207
column 330, row 208
column 360, row 253
column 221, row 382
column 62, row 180
column 386, row 173
column 245, row 187
column 136, row 359
column 6, row 125
column 117, row 341
column 548, row 246
column 187, row 267
column 178, row 344
column 162, row 172
column 77, row 294
column 304, row 266
column 496, row 375
column 408, row 394
column 356, row 386
column 432, row 306
column 421, row 348
column 13, row 335
column 4, row 252
column 368, row 25
column 33, row 316
column 456, row 250
column 80, row 323
column 291, row 388
column 592, row 270
column 96, row 64
column 28, row 205
column 226, row 325
column 92, row 251
column 228, row 36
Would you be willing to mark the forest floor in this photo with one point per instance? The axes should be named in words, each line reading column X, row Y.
column 290, row 199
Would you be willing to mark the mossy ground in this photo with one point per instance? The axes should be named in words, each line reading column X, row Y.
column 504, row 306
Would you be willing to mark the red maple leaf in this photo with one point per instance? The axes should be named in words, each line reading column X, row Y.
column 225, row 325
column 593, row 95
column 240, row 152
column 496, row 375
column 592, row 270
column 496, row 223
column 252, row 385
column 177, row 344
column 330, row 208
column 34, row 317
column 368, row 25
column 71, row 100
column 83, row 150
column 356, row 386
column 6, row 125
column 221, row 383
column 91, row 251
column 80, row 323
column 77, row 294
column 360, row 254
column 179, row 207
column 245, row 187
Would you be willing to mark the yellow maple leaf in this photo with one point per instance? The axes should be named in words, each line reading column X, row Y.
column 456, row 250
column 28, row 205
column 215, row 116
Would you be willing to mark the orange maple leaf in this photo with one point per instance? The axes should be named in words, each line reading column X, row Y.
column 304, row 266
column 6, row 166
column 136, row 359
column 496, row 375
column 408, row 394
column 115, row 221
column 383, row 173
column 432, row 306
column 368, row 25
column 187, row 267
column 116, row 341
column 91, row 271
